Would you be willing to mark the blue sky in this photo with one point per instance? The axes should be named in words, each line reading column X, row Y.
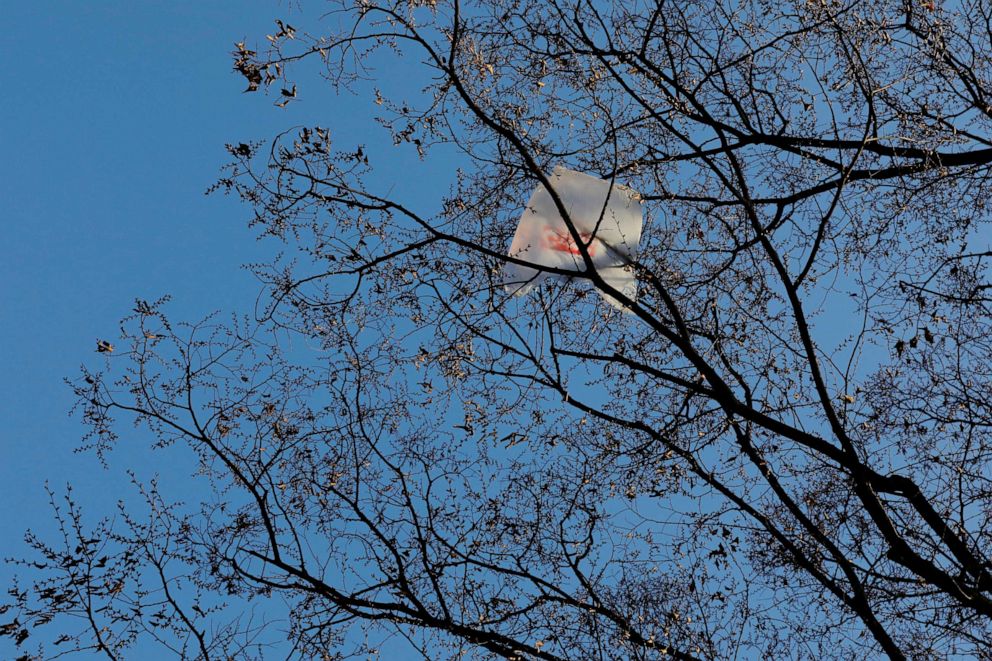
column 114, row 124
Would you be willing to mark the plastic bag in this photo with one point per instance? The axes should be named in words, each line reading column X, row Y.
column 608, row 218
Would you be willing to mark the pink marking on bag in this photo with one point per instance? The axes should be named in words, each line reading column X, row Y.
column 562, row 241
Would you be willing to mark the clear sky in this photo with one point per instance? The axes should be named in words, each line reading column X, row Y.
column 113, row 124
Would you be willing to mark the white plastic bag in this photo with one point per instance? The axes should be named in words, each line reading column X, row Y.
column 611, row 228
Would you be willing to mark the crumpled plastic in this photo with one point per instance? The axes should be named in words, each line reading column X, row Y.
column 608, row 218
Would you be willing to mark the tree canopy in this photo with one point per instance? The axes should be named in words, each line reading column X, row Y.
column 780, row 449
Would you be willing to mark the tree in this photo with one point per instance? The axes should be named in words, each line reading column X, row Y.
column 781, row 449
